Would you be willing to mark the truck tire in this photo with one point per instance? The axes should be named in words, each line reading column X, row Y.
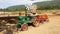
column 24, row 27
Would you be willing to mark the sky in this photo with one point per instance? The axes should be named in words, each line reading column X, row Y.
column 7, row 3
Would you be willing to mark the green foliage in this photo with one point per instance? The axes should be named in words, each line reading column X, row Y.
column 47, row 5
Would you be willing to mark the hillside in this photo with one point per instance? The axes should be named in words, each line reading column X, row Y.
column 48, row 5
column 40, row 6
column 16, row 8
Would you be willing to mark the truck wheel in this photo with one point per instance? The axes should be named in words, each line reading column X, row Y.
column 36, row 23
column 24, row 27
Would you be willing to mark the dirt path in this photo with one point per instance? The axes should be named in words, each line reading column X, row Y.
column 51, row 27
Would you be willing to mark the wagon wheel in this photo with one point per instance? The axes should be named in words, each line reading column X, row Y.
column 24, row 27
column 36, row 23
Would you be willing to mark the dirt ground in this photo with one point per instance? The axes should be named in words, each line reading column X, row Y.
column 51, row 27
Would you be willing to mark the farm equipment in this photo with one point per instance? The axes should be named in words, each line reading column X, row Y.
column 35, row 20
column 42, row 18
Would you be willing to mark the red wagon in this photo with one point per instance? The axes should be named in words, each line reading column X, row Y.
column 42, row 18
